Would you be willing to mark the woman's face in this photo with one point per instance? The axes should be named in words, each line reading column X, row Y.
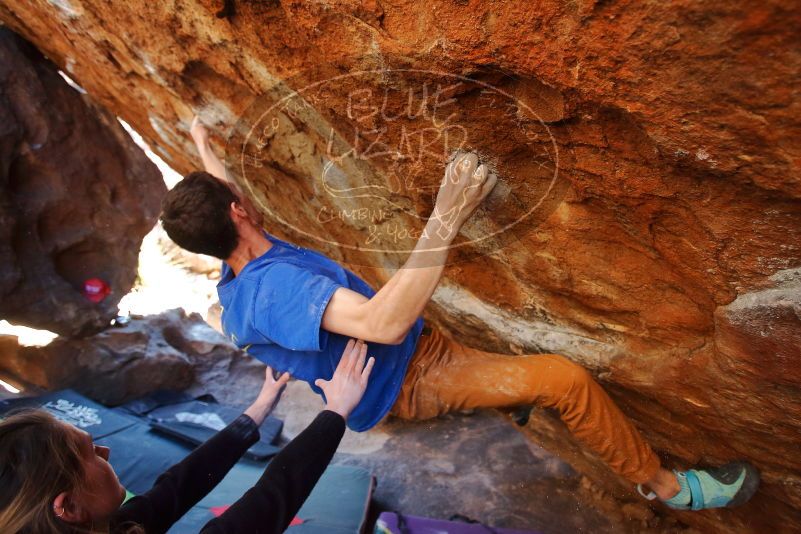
column 101, row 492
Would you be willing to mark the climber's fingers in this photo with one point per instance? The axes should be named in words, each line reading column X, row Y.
column 489, row 184
column 454, row 155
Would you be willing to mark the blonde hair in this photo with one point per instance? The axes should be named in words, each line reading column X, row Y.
column 38, row 460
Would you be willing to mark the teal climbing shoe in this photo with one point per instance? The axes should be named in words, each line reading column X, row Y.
column 720, row 487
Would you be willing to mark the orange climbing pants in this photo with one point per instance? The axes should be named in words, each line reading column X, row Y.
column 445, row 376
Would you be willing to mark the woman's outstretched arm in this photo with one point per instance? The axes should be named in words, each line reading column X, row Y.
column 269, row 506
column 183, row 485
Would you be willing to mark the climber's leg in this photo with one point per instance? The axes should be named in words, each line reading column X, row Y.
column 446, row 376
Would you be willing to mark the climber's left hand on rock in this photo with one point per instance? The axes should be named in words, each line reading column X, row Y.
column 199, row 132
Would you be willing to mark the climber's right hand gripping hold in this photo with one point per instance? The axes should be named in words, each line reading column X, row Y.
column 465, row 184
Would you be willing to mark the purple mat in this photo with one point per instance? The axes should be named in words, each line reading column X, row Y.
column 388, row 524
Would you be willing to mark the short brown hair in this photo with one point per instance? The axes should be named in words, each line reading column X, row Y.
column 196, row 215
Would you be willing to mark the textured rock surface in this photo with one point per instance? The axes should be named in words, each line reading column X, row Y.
column 165, row 351
column 677, row 128
column 76, row 197
column 475, row 465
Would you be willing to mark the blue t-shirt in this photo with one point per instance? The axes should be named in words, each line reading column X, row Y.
column 274, row 308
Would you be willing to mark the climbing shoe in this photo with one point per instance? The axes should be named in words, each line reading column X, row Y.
column 720, row 487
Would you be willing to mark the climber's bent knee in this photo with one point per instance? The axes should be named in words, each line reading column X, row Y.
column 563, row 380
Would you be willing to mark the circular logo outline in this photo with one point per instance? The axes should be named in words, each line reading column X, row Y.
column 295, row 93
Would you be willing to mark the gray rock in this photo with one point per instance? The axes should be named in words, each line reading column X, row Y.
column 166, row 351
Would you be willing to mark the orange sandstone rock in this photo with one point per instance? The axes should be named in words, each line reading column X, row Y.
column 660, row 257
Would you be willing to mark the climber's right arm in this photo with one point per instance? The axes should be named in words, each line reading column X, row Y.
column 390, row 313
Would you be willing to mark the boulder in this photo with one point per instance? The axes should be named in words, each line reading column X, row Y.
column 648, row 156
column 76, row 197
column 166, row 351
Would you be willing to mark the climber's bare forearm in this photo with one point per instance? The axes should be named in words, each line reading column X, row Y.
column 399, row 303
column 211, row 163
column 390, row 313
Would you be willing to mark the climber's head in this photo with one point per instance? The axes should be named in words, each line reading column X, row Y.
column 53, row 478
column 204, row 215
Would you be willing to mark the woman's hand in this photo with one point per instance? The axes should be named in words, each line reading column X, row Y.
column 268, row 396
column 345, row 389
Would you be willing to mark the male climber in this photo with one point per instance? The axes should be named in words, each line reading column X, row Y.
column 295, row 309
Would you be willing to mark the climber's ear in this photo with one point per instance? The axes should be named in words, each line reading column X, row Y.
column 238, row 212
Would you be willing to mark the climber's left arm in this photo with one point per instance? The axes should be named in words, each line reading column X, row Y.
column 214, row 166
column 211, row 162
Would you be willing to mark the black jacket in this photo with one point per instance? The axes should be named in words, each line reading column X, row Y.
column 266, row 508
